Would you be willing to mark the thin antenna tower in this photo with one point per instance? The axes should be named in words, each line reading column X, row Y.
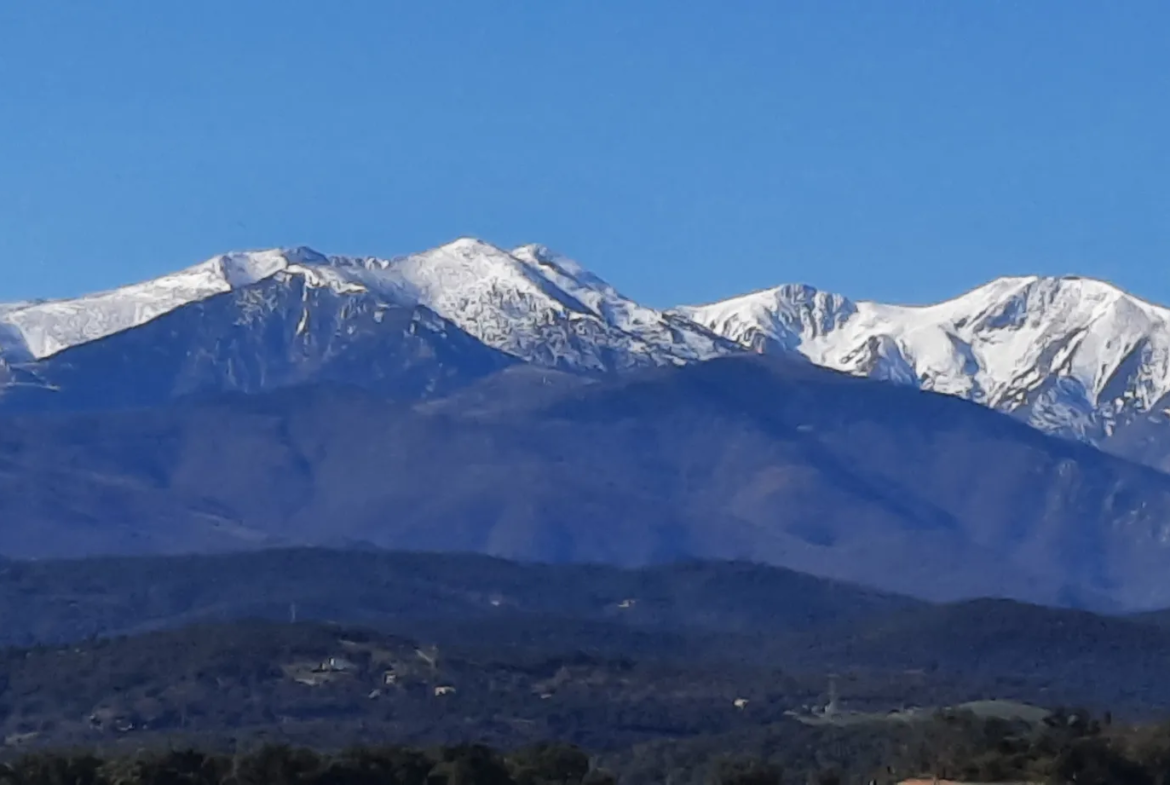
column 832, row 706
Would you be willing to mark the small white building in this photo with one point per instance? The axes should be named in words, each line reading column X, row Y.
column 337, row 665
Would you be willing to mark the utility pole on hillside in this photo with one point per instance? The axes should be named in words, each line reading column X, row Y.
column 832, row 706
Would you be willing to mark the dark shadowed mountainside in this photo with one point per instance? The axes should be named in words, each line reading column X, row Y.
column 278, row 333
column 744, row 458
column 1144, row 439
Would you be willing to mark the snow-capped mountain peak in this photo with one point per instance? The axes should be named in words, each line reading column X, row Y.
column 777, row 319
column 1048, row 349
column 41, row 329
column 568, row 270
column 536, row 304
column 594, row 293
column 531, row 303
column 244, row 268
column 1074, row 356
column 682, row 338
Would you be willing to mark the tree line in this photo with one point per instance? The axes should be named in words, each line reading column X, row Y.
column 273, row 764
column 1070, row 747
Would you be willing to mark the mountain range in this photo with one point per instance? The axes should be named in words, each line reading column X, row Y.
column 512, row 403
column 1072, row 357
column 529, row 302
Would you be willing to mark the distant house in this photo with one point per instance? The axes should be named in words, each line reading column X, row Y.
column 337, row 665
column 19, row 739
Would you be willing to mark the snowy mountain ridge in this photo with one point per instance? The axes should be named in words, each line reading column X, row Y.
column 41, row 329
column 530, row 303
column 1072, row 356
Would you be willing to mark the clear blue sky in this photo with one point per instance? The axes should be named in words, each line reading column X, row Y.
column 686, row 151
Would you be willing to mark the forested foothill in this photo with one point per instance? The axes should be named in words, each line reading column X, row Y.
column 367, row 666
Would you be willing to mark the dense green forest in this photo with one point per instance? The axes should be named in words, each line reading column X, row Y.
column 331, row 685
column 732, row 624
column 691, row 674
column 1068, row 747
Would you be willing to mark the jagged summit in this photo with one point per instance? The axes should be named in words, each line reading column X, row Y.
column 1049, row 349
column 50, row 326
column 544, row 257
column 244, row 268
column 776, row 319
column 1071, row 355
column 531, row 303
